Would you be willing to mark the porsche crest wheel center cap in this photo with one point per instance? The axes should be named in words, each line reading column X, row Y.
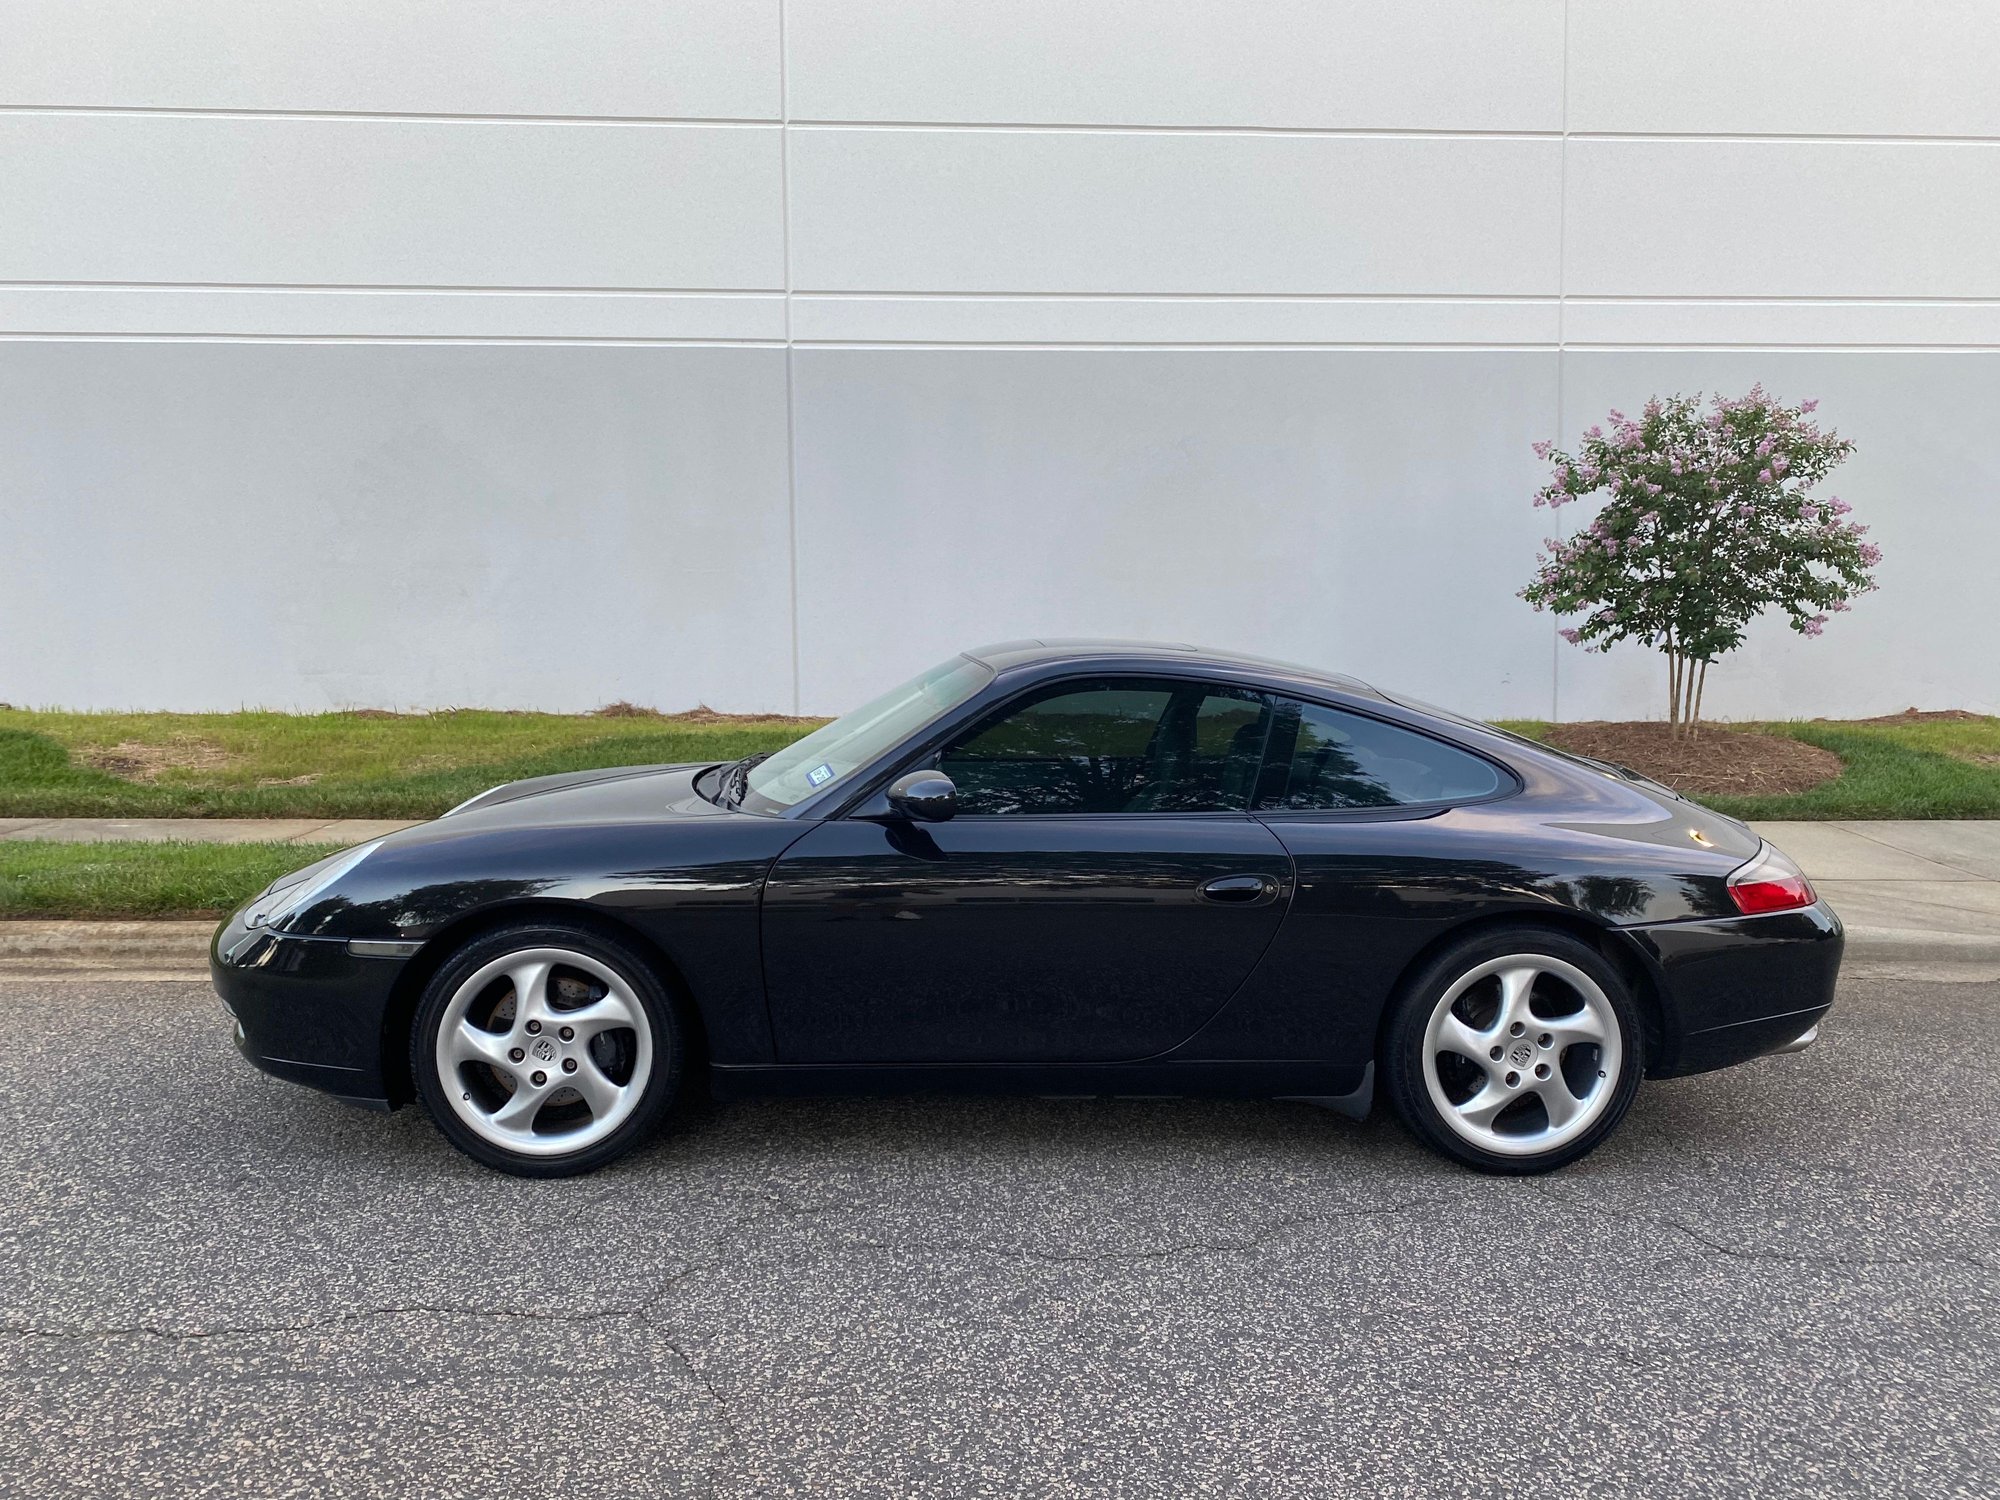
column 544, row 1049
column 1520, row 1057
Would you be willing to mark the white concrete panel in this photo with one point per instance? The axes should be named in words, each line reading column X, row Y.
column 142, row 198
column 1172, row 320
column 1416, row 64
column 218, row 525
column 1861, row 325
column 272, row 312
column 1764, row 219
column 1054, row 211
column 656, row 58
column 1832, row 67
column 1363, row 511
column 1924, row 477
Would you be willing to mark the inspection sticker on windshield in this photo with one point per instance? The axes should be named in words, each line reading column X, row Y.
column 820, row 775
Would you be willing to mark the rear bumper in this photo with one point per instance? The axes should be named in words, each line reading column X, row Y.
column 306, row 1009
column 1739, row 987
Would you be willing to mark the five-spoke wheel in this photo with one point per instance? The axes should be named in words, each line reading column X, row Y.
column 544, row 1050
column 1516, row 1052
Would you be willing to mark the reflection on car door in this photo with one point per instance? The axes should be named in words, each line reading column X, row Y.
column 1103, row 894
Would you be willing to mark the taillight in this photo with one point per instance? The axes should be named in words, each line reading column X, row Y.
column 1770, row 882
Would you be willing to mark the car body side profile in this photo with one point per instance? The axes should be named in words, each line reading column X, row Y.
column 1054, row 868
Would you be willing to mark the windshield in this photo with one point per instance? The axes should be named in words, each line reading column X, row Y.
column 853, row 740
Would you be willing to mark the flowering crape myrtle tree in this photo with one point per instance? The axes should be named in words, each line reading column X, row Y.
column 1708, row 520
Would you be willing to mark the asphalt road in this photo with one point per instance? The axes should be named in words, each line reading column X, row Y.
column 1779, row 1280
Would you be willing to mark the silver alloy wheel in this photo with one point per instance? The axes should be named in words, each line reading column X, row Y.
column 543, row 1054
column 1522, row 1054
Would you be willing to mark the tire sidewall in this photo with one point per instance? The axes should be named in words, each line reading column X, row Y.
column 1403, row 1047
column 662, row 1085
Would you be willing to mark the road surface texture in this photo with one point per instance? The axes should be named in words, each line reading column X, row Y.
column 1779, row 1280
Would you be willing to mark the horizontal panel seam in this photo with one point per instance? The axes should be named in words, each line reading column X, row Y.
column 975, row 345
column 775, row 295
column 190, row 337
column 772, row 294
column 366, row 116
column 773, row 122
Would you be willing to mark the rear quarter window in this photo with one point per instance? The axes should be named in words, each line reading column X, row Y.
column 1343, row 760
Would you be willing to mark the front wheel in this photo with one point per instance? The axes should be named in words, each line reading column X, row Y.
column 545, row 1051
column 1516, row 1052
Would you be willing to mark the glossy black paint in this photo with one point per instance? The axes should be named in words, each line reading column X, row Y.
column 924, row 797
column 841, row 946
column 1004, row 939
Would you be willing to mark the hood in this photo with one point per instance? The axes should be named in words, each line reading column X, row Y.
column 618, row 794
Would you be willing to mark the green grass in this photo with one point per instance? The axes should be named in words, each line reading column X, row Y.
column 268, row 765
column 1924, row 769
column 45, row 879
column 370, row 766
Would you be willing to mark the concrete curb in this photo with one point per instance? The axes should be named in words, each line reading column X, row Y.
column 103, row 950
column 179, row 950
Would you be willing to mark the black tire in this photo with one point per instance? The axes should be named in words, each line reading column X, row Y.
column 1404, row 1045
column 657, row 1093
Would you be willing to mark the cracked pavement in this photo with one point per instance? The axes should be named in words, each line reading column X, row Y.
column 1777, row 1280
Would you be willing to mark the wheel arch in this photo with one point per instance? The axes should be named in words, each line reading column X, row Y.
column 400, row 1013
column 1617, row 949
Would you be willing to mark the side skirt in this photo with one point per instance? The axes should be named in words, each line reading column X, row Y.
column 1346, row 1087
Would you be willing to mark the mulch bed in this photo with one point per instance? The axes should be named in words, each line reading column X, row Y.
column 1713, row 761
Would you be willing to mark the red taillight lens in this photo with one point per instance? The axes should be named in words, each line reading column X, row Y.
column 1770, row 882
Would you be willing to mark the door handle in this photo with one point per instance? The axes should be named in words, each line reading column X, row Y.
column 1238, row 890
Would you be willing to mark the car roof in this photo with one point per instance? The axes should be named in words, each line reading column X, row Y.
column 1181, row 656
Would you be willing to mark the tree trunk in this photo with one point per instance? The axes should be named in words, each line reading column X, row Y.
column 1673, row 690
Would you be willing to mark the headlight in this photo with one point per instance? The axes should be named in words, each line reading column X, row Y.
column 282, row 899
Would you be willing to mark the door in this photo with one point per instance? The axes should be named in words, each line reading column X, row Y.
column 1101, row 894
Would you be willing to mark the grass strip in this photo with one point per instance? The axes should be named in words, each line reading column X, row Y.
column 366, row 765
column 45, row 879
column 263, row 765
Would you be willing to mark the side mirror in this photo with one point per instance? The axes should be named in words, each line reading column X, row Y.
column 924, row 797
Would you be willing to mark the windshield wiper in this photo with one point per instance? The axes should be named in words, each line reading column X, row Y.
column 735, row 782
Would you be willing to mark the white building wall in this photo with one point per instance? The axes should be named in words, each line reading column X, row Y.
column 754, row 352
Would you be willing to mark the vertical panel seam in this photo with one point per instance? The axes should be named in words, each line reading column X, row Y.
column 1562, row 334
column 791, row 405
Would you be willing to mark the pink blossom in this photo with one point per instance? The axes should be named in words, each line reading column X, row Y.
column 1569, row 635
column 1870, row 554
column 1809, row 405
column 1815, row 625
column 1544, row 448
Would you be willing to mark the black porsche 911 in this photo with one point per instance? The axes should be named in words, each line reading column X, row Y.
column 1050, row 868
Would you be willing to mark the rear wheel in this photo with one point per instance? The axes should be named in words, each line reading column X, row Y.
column 1516, row 1052
column 545, row 1050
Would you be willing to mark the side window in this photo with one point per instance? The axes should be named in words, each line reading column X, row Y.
column 1350, row 760
column 1115, row 747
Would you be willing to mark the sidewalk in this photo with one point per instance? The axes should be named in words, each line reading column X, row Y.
column 1908, row 892
column 1914, row 893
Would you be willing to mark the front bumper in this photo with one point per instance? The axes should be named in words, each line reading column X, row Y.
column 307, row 1009
column 1739, row 987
